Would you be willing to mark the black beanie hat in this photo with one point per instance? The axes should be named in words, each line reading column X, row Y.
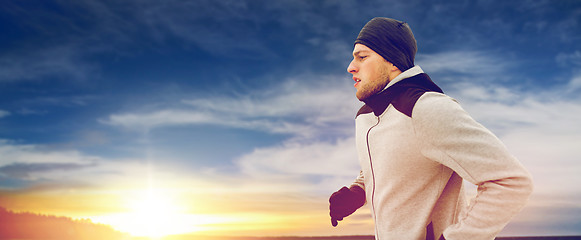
column 390, row 38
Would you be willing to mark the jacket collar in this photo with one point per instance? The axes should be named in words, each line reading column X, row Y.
column 415, row 70
column 412, row 81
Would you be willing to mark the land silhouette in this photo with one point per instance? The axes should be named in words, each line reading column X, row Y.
column 32, row 226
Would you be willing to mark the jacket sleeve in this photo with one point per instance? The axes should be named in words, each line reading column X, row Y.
column 359, row 181
column 448, row 135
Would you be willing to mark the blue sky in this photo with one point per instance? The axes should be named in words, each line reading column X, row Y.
column 251, row 99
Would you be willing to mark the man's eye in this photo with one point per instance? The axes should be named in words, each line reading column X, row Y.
column 362, row 57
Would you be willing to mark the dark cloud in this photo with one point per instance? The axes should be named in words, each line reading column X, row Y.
column 24, row 170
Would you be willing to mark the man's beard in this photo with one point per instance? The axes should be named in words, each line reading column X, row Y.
column 375, row 87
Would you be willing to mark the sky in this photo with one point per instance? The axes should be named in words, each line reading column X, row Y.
column 237, row 117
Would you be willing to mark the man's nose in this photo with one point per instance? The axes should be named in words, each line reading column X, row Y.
column 351, row 68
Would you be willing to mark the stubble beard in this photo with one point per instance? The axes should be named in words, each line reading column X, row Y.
column 374, row 86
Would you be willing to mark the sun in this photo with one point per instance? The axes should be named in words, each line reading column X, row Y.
column 155, row 214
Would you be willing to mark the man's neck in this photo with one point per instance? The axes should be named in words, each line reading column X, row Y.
column 394, row 74
column 405, row 74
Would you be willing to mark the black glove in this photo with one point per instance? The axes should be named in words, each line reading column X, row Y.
column 344, row 202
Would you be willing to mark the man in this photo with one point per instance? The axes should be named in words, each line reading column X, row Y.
column 416, row 145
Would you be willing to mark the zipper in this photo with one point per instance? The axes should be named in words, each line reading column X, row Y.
column 372, row 176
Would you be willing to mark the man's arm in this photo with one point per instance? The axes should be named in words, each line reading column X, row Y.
column 346, row 201
column 359, row 181
column 450, row 136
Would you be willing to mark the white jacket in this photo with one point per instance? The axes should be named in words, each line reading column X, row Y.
column 415, row 147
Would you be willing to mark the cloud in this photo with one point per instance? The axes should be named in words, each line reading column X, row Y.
column 316, row 167
column 338, row 51
column 28, row 165
column 573, row 61
column 156, row 119
column 28, row 111
column 4, row 113
column 227, row 29
column 462, row 62
column 59, row 101
column 569, row 59
column 575, row 84
column 315, row 113
column 302, row 158
column 233, row 39
column 34, row 163
column 246, row 28
column 11, row 153
column 309, row 107
column 23, row 170
column 62, row 62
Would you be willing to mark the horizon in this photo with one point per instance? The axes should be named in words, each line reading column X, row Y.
column 237, row 117
column 103, row 231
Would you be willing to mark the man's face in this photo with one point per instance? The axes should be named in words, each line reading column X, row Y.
column 370, row 71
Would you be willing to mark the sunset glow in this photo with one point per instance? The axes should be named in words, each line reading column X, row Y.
column 156, row 213
column 152, row 214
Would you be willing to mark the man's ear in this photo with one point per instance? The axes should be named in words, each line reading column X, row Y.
column 394, row 69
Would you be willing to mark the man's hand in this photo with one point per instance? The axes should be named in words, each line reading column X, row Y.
column 344, row 202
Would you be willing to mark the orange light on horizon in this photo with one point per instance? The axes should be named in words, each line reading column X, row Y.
column 157, row 212
column 153, row 213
